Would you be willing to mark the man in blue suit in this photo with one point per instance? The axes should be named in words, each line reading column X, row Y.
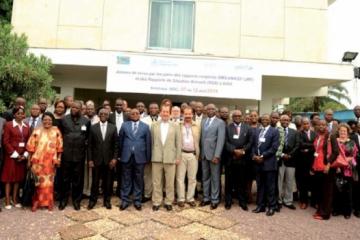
column 134, row 153
column 266, row 143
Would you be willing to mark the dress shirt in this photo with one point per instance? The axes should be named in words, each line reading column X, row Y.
column 187, row 138
column 164, row 128
column 103, row 128
column 208, row 122
column 119, row 118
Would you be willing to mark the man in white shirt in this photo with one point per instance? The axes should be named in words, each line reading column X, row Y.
column 166, row 152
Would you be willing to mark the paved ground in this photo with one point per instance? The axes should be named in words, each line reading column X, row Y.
column 187, row 223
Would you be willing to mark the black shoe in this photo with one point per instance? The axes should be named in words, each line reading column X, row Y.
column 181, row 204
column 290, row 206
column 244, row 206
column 107, row 205
column 347, row 216
column 137, row 207
column 192, row 204
column 168, row 207
column 203, row 203
column 213, row 206
column 227, row 206
column 62, row 206
column 277, row 208
column 357, row 214
column 124, row 206
column 270, row 212
column 145, row 199
column 258, row 210
column 76, row 206
column 155, row 208
column 91, row 205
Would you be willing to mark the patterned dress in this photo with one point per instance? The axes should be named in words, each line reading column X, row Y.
column 45, row 145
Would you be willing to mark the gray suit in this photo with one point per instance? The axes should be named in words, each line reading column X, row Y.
column 29, row 121
column 212, row 143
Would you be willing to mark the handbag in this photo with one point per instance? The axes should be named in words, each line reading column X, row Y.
column 341, row 183
column 29, row 188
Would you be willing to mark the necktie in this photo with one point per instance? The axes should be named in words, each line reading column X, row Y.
column 32, row 126
column 286, row 137
column 135, row 128
column 103, row 131
column 207, row 123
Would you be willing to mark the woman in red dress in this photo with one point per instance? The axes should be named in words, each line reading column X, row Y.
column 16, row 134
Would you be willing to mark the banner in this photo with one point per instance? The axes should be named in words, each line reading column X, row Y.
column 183, row 76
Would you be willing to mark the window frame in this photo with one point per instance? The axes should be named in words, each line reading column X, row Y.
column 148, row 47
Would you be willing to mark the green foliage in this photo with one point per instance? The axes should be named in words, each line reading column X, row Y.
column 336, row 93
column 5, row 11
column 21, row 73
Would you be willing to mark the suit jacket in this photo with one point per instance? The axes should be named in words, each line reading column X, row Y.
column 102, row 151
column 38, row 123
column 171, row 150
column 138, row 144
column 244, row 141
column 306, row 149
column 212, row 139
column 196, row 136
column 291, row 148
column 75, row 136
column 267, row 149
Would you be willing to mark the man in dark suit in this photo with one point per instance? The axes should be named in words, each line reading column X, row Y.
column 266, row 143
column 8, row 115
column 355, row 136
column 212, row 143
column 286, row 178
column 134, row 153
column 305, row 161
column 238, row 145
column 118, row 117
column 102, row 155
column 34, row 120
column 75, row 131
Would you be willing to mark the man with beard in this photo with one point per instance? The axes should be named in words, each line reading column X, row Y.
column 75, row 129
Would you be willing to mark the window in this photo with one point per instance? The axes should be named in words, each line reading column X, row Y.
column 171, row 24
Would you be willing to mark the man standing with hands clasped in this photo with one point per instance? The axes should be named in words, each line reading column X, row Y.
column 266, row 143
column 166, row 152
column 212, row 143
column 102, row 154
column 134, row 153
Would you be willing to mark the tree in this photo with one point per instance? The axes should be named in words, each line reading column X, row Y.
column 336, row 93
column 21, row 73
column 5, row 11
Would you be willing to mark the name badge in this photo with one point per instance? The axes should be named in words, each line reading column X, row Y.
column 83, row 128
column 262, row 140
column 236, row 136
column 316, row 154
column 21, row 144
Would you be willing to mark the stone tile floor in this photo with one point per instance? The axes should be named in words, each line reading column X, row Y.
column 186, row 223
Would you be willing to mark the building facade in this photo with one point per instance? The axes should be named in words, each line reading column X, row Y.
column 286, row 39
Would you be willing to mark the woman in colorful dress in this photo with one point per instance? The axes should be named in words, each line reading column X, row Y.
column 16, row 134
column 45, row 146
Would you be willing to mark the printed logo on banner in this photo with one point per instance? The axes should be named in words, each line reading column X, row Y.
column 123, row 60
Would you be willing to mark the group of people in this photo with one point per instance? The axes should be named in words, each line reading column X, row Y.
column 162, row 152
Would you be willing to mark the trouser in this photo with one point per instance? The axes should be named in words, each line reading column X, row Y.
column 132, row 181
column 356, row 196
column 106, row 175
column 87, row 179
column 73, row 179
column 159, row 170
column 303, row 183
column 266, row 181
column 326, row 189
column 188, row 166
column 343, row 199
column 236, row 179
column 148, row 186
column 211, row 181
column 286, row 183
